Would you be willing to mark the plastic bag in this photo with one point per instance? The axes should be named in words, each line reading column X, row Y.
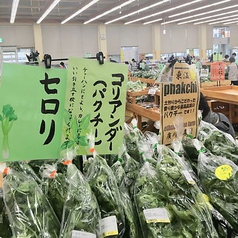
column 104, row 185
column 81, row 212
column 29, row 212
column 191, row 215
column 219, row 178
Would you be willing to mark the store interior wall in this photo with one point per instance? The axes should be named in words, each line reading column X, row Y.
column 77, row 40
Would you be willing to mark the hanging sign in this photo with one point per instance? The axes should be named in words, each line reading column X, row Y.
column 31, row 109
column 179, row 99
column 217, row 71
column 95, row 102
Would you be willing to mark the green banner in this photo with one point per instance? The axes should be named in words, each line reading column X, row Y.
column 31, row 112
column 95, row 101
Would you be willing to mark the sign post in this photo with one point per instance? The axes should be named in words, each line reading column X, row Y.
column 179, row 100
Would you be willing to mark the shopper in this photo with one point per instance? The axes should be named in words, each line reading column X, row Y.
column 133, row 65
column 219, row 120
column 232, row 71
column 62, row 65
column 233, row 56
column 226, row 58
column 198, row 65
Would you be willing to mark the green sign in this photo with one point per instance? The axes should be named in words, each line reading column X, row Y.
column 95, row 102
column 31, row 109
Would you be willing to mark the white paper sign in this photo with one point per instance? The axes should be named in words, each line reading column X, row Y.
column 155, row 215
column 108, row 226
column 152, row 91
column 82, row 234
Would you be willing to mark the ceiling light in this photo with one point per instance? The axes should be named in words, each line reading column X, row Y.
column 199, row 8
column 111, row 10
column 149, row 22
column 138, row 11
column 229, row 20
column 216, row 19
column 79, row 11
column 14, row 10
column 167, row 10
column 229, row 23
column 48, row 10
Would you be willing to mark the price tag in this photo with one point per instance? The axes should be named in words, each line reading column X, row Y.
column 156, row 215
column 108, row 226
column 152, row 91
column 188, row 177
column 223, row 172
column 82, row 234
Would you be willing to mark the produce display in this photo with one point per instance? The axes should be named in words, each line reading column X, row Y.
column 147, row 190
column 151, row 74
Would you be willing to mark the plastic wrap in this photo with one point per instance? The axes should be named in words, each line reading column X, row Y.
column 81, row 211
column 219, row 179
column 56, row 187
column 191, row 216
column 104, row 185
column 151, row 204
column 29, row 212
column 5, row 230
column 218, row 142
column 131, row 222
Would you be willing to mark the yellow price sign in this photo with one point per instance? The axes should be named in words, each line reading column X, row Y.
column 223, row 172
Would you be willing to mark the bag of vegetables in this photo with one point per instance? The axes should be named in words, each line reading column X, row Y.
column 81, row 214
column 219, row 178
column 191, row 216
column 131, row 222
column 29, row 212
column 104, row 185
column 218, row 142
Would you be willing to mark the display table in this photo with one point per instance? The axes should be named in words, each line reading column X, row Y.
column 224, row 94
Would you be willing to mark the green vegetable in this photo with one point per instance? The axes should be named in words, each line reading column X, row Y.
column 29, row 212
column 7, row 118
column 219, row 178
column 104, row 185
column 185, row 200
column 81, row 211
column 5, row 230
column 131, row 221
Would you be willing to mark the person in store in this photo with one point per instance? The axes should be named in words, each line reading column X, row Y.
column 226, row 58
column 198, row 65
column 219, row 120
column 233, row 56
column 133, row 65
column 62, row 65
column 232, row 71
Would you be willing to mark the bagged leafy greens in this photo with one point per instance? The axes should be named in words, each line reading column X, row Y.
column 81, row 211
column 191, row 216
column 104, row 185
column 56, row 187
column 29, row 212
column 131, row 222
column 5, row 230
column 218, row 142
column 219, row 179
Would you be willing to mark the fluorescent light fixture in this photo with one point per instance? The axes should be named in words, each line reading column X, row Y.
column 216, row 19
column 14, row 10
column 199, row 8
column 167, row 10
column 109, row 11
column 149, row 22
column 229, row 23
column 208, row 17
column 79, row 11
column 48, row 10
column 200, row 14
column 229, row 20
column 138, row 11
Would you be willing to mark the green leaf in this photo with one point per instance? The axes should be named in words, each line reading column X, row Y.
column 84, row 123
column 1, row 118
column 84, row 132
column 82, row 141
column 67, row 117
column 75, row 128
column 67, row 144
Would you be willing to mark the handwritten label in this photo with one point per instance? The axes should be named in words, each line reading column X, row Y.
column 108, row 226
column 155, row 215
column 82, row 234
column 152, row 91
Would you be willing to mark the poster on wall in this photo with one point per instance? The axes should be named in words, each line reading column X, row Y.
column 128, row 53
column 179, row 104
column 31, row 108
column 95, row 102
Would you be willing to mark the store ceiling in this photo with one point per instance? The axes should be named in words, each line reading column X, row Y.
column 29, row 11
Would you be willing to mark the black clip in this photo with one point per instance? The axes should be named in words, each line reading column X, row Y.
column 47, row 60
column 99, row 57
